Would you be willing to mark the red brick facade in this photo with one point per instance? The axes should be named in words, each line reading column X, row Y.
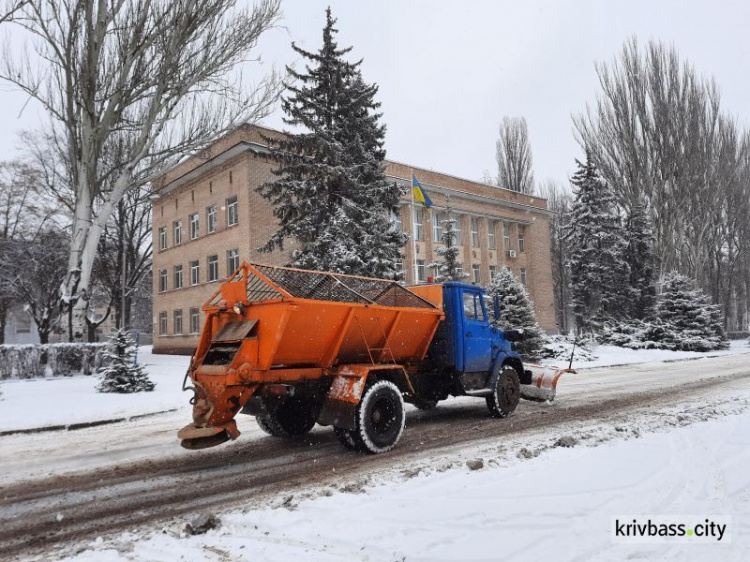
column 237, row 164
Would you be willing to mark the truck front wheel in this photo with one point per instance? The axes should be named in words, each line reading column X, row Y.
column 380, row 418
column 290, row 418
column 506, row 393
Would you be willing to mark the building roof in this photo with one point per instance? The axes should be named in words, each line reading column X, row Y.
column 251, row 138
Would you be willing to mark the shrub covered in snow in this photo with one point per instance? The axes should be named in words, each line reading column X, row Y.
column 56, row 359
column 121, row 374
column 516, row 311
column 560, row 348
column 686, row 321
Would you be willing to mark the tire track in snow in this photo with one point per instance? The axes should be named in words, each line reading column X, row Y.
column 104, row 501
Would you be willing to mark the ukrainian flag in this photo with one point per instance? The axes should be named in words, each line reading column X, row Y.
column 419, row 193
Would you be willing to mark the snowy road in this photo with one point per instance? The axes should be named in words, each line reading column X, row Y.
column 59, row 488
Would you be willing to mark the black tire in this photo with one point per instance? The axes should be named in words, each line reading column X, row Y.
column 506, row 393
column 380, row 418
column 291, row 418
column 345, row 437
column 264, row 423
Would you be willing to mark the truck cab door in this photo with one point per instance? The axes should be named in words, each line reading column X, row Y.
column 476, row 333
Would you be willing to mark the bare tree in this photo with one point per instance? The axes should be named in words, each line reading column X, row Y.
column 148, row 79
column 10, row 8
column 513, row 154
column 30, row 271
column 658, row 135
column 558, row 201
column 24, row 211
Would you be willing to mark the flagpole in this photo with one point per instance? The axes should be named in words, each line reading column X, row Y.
column 413, row 228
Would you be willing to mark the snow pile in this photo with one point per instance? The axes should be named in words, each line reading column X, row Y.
column 57, row 359
column 560, row 348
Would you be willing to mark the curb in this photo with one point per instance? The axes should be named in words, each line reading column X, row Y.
column 83, row 425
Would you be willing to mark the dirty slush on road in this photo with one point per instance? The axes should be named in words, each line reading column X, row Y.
column 60, row 512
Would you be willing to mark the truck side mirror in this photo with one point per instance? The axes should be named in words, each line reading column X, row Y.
column 513, row 335
column 496, row 306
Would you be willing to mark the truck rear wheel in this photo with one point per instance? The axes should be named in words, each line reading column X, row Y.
column 380, row 418
column 291, row 418
column 506, row 393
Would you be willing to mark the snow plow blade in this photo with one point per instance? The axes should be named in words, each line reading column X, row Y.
column 543, row 382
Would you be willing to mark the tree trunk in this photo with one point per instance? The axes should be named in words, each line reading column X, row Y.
column 3, row 319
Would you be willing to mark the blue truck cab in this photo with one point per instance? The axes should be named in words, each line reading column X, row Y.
column 470, row 356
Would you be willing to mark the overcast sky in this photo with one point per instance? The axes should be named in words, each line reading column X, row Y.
column 449, row 71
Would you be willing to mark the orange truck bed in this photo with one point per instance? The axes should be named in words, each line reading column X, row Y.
column 269, row 326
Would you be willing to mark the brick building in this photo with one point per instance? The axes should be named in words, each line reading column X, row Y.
column 208, row 218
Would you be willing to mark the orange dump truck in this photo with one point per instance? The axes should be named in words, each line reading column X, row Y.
column 294, row 348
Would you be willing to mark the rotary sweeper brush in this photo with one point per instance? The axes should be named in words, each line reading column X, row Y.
column 294, row 348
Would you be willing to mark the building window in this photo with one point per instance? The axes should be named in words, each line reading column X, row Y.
column 195, row 320
column 178, row 276
column 493, row 272
column 23, row 323
column 162, row 238
column 162, row 323
column 523, row 276
column 475, row 232
column 506, row 235
column 211, row 219
column 418, row 223
column 459, row 271
column 457, row 230
column 437, row 228
column 194, row 226
column 421, row 272
column 177, row 232
column 232, row 210
column 491, row 234
column 162, row 280
column 475, row 273
column 213, row 268
column 521, row 240
column 177, row 323
column 396, row 224
column 233, row 261
column 195, row 272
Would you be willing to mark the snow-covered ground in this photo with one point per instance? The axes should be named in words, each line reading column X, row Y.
column 547, row 501
column 38, row 403
column 609, row 355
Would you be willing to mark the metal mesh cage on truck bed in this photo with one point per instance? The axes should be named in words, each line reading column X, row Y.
column 317, row 285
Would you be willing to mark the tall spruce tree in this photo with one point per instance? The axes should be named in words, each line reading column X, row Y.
column 449, row 269
column 641, row 261
column 599, row 274
column 516, row 311
column 331, row 195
